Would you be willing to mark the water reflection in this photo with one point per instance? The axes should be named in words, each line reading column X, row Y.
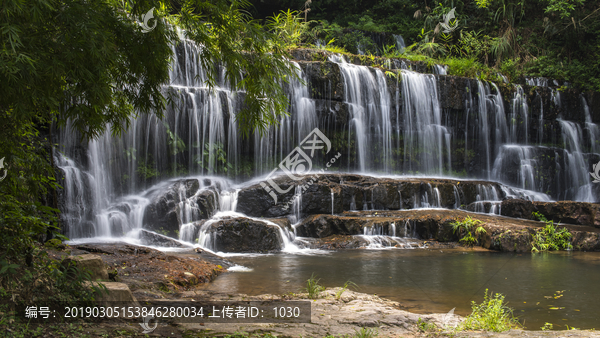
column 426, row 281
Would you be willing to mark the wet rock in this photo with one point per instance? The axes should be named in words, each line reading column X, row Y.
column 152, row 238
column 501, row 233
column 360, row 192
column 319, row 226
column 245, row 235
column 164, row 214
column 580, row 213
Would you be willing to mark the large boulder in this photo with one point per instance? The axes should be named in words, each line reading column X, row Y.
column 114, row 293
column 243, row 234
column 169, row 205
column 336, row 193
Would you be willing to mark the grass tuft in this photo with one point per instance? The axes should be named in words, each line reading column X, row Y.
column 491, row 315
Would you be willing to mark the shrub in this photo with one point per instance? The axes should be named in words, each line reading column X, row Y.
column 550, row 237
column 313, row 288
column 491, row 315
column 465, row 229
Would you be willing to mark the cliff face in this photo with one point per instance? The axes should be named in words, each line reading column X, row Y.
column 490, row 131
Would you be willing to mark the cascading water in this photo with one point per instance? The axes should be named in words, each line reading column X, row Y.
column 369, row 103
column 108, row 183
column 425, row 138
column 577, row 173
column 278, row 141
column 400, row 45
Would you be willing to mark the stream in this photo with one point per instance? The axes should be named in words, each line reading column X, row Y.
column 436, row 281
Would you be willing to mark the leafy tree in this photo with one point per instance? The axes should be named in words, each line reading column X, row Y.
column 90, row 63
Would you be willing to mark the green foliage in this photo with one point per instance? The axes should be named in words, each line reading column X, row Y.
column 313, row 288
column 254, row 59
column 563, row 7
column 176, row 144
column 146, row 170
column 288, row 27
column 214, row 158
column 547, row 326
column 44, row 279
column 365, row 333
column 550, row 237
column 491, row 315
column 465, row 229
column 91, row 65
column 339, row 293
column 425, row 326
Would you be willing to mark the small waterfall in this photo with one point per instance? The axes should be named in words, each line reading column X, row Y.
column 370, row 126
column 456, row 197
column 400, row 45
column 524, row 158
column 208, row 241
column 491, row 128
column 228, row 200
column 556, row 97
column 380, row 236
column 77, row 204
column 537, row 81
column 278, row 141
column 296, row 207
column 519, row 117
column 400, row 196
column 436, row 198
column 425, row 138
column 487, row 195
column 440, row 70
column 576, row 168
column 332, row 201
column 541, row 123
column 353, row 203
column 592, row 128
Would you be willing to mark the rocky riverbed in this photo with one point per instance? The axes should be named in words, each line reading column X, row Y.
column 154, row 275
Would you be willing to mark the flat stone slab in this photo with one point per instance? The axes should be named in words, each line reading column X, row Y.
column 91, row 263
column 117, row 292
column 348, row 315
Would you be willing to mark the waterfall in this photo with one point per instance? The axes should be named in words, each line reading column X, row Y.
column 487, row 194
column 279, row 140
column 537, row 81
column 436, row 198
column 400, row 45
column 296, row 207
column 109, row 182
column 228, row 200
column 77, row 202
column 456, row 197
column 592, row 128
column 541, row 123
column 576, row 168
column 425, row 138
column 440, row 70
column 519, row 124
column 368, row 99
column 332, row 201
column 524, row 159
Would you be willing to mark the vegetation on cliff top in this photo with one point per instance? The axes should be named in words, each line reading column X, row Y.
column 551, row 38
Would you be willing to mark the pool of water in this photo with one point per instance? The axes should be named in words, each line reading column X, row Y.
column 428, row 281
